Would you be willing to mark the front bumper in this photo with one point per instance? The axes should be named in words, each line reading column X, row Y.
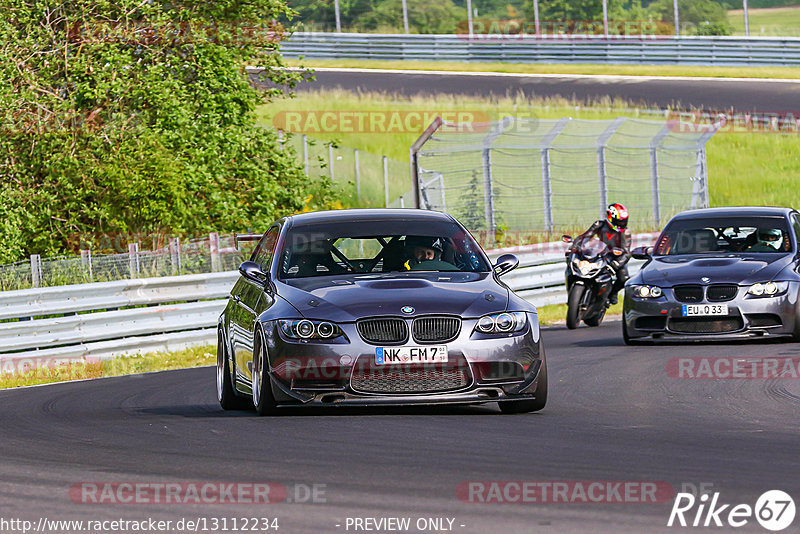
column 480, row 369
column 748, row 317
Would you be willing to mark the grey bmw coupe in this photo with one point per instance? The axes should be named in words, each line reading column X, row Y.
column 728, row 272
column 377, row 307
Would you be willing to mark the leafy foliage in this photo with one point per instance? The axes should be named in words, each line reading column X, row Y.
column 121, row 116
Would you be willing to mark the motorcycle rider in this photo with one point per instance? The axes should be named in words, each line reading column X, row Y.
column 613, row 231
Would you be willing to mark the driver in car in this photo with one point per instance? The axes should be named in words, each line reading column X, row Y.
column 613, row 231
column 422, row 249
column 767, row 240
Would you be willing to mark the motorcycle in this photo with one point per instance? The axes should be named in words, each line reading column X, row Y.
column 589, row 281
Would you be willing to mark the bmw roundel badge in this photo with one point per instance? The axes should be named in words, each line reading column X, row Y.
column 407, row 309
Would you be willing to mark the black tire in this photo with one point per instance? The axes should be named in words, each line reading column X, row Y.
column 574, row 306
column 627, row 339
column 534, row 405
column 595, row 320
column 263, row 400
column 226, row 395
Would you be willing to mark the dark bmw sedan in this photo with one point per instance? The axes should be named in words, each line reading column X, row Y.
column 728, row 272
column 377, row 307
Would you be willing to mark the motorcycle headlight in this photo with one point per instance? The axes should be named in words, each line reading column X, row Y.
column 647, row 292
column 306, row 329
column 585, row 266
column 768, row 289
column 502, row 323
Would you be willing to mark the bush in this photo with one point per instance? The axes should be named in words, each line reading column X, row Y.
column 137, row 117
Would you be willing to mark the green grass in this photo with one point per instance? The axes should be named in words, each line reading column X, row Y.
column 126, row 365
column 744, row 168
column 557, row 313
column 768, row 22
column 567, row 68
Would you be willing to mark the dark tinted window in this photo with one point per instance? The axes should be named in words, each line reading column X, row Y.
column 378, row 246
column 724, row 236
column 266, row 248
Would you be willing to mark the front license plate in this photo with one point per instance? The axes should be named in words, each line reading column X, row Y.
column 704, row 309
column 395, row 355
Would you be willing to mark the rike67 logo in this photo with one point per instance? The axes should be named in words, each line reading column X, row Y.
column 774, row 510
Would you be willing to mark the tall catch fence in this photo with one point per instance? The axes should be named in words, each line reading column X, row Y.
column 550, row 174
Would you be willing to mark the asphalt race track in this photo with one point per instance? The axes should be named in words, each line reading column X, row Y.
column 614, row 415
column 711, row 94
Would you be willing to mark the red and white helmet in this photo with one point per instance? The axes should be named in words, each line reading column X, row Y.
column 617, row 216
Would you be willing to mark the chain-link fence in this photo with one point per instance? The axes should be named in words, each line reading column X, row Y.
column 526, row 174
column 209, row 254
column 370, row 180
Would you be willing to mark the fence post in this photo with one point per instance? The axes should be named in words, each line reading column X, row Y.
column 330, row 160
column 602, row 141
column 358, row 175
column 133, row 259
column 175, row 254
column 386, row 181
column 700, row 189
column 488, row 189
column 654, row 185
column 547, row 191
column 36, row 270
column 86, row 261
column 213, row 245
column 441, row 187
column 305, row 152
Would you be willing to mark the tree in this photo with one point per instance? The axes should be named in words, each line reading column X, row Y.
column 694, row 12
column 122, row 116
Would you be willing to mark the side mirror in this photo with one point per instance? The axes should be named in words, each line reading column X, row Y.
column 505, row 263
column 641, row 253
column 252, row 271
column 566, row 238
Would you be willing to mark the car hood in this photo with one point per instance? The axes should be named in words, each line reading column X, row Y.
column 348, row 298
column 689, row 269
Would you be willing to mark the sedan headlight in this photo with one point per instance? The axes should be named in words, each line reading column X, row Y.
column 768, row 289
column 502, row 323
column 306, row 329
column 646, row 292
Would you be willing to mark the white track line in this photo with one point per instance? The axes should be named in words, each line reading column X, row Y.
column 601, row 77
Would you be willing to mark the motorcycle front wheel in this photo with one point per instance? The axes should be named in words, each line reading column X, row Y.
column 574, row 306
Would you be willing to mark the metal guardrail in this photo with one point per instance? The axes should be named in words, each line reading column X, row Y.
column 646, row 50
column 97, row 321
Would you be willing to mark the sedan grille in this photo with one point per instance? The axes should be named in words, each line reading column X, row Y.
column 704, row 325
column 689, row 293
column 435, row 329
column 721, row 292
column 396, row 379
column 383, row 330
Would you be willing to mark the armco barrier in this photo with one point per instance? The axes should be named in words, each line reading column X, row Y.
column 103, row 320
column 647, row 50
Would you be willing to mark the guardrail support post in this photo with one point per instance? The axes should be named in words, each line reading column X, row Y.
column 175, row 254
column 213, row 245
column 36, row 270
column 86, row 261
column 133, row 259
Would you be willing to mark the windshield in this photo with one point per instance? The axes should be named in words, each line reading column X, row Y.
column 378, row 247
column 593, row 248
column 768, row 235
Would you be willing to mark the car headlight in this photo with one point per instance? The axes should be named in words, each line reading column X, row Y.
column 585, row 266
column 646, row 292
column 768, row 289
column 502, row 323
column 307, row 329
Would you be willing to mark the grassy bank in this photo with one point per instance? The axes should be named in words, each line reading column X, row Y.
column 768, row 22
column 568, row 68
column 557, row 313
column 127, row 365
